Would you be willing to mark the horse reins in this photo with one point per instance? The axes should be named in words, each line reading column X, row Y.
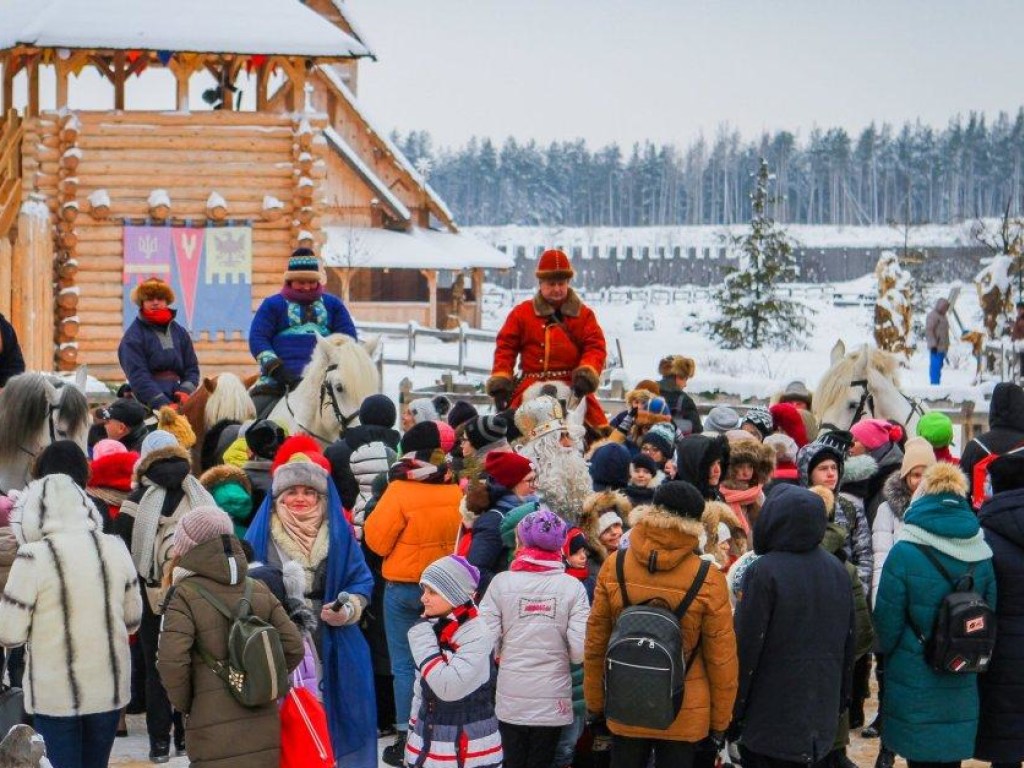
column 327, row 395
column 867, row 402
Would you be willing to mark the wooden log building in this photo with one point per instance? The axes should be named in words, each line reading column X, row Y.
column 305, row 166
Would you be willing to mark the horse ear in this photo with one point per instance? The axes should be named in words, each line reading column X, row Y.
column 82, row 377
column 838, row 352
column 209, row 384
column 370, row 344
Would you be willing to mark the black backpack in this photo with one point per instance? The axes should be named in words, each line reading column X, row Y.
column 964, row 633
column 644, row 667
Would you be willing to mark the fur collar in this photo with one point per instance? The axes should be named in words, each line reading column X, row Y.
column 651, row 516
column 896, row 494
column 170, row 452
column 716, row 512
column 857, row 468
column 292, row 550
column 225, row 473
column 570, row 307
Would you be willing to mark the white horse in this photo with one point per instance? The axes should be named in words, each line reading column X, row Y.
column 862, row 384
column 37, row 409
column 340, row 375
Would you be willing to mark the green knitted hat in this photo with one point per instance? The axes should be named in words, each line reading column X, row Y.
column 936, row 428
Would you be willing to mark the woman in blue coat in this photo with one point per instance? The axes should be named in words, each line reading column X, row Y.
column 929, row 717
column 155, row 353
column 285, row 327
column 1001, row 729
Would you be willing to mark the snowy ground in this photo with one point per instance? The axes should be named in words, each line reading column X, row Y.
column 679, row 330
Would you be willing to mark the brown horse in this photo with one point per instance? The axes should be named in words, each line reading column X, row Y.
column 220, row 397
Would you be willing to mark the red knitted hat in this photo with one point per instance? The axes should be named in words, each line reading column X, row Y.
column 507, row 468
column 554, row 265
column 787, row 419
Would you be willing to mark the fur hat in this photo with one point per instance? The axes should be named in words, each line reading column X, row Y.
column 169, row 420
column 554, row 265
column 662, row 437
column 759, row 456
column 507, row 468
column 542, row 529
column 198, row 525
column 936, row 428
column 225, row 473
column 303, row 265
column 786, row 418
column 378, row 410
column 453, row 577
column 678, row 365
column 680, row 498
column 461, row 412
column 785, row 447
column 299, row 470
column 761, row 418
column 595, row 506
column 486, row 430
column 152, row 288
column 303, row 444
column 943, row 477
column 721, row 419
column 128, row 411
column 875, row 433
column 917, row 452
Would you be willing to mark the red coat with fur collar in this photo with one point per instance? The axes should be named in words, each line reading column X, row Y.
column 549, row 350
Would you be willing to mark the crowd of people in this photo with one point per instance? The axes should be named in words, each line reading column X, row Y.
column 517, row 588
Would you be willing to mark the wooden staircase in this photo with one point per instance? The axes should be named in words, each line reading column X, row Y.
column 11, row 132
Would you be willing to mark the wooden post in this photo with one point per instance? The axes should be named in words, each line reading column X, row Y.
column 431, row 275
column 8, row 86
column 181, row 77
column 478, row 296
column 5, row 275
column 262, row 78
column 60, row 67
column 33, row 87
column 120, row 69
column 967, row 427
column 227, row 78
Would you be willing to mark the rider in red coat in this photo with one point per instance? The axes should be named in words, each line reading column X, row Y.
column 556, row 338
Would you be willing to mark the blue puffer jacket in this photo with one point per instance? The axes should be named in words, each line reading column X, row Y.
column 281, row 330
column 929, row 716
column 1001, row 730
column 148, row 349
column 487, row 551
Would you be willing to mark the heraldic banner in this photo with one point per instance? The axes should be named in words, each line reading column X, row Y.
column 208, row 268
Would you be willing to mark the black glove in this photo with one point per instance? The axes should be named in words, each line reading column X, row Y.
column 500, row 388
column 584, row 382
column 276, row 371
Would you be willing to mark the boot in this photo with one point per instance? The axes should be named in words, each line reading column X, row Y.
column 886, row 758
column 873, row 730
column 395, row 754
column 159, row 750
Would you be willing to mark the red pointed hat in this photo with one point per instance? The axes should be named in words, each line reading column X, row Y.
column 554, row 265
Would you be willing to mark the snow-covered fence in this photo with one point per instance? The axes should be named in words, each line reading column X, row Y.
column 412, row 333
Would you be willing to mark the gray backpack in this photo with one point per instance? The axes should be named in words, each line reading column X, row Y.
column 255, row 671
column 644, row 667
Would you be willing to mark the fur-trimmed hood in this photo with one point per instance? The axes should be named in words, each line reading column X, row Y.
column 758, row 455
column 942, row 478
column 715, row 513
column 225, row 473
column 858, row 468
column 570, row 307
column 160, row 454
column 660, row 540
column 50, row 505
column 594, row 506
column 113, row 471
column 896, row 494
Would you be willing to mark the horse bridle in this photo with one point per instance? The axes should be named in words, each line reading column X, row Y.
column 867, row 402
column 327, row 395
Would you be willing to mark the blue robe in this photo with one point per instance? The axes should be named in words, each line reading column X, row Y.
column 280, row 332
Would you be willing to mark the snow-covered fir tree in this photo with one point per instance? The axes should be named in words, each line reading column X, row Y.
column 752, row 311
column 894, row 306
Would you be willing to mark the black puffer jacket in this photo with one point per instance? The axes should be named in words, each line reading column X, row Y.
column 795, row 632
column 1001, row 726
column 1006, row 427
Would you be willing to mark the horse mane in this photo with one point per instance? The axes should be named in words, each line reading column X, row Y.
column 24, row 407
column 355, row 364
column 72, row 410
column 835, row 383
column 229, row 400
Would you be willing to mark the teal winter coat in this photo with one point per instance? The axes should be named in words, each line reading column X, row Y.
column 927, row 715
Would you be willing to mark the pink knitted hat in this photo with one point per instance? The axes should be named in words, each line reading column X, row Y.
column 198, row 526
column 874, row 433
column 447, row 435
column 107, row 447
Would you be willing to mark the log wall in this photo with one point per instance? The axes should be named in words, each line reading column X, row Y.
column 241, row 156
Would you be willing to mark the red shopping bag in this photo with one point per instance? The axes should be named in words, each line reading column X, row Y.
column 305, row 742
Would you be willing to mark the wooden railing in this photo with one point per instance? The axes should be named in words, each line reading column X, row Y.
column 10, row 170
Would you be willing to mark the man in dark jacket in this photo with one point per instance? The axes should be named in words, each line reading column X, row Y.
column 1000, row 737
column 1006, row 427
column 795, row 634
column 124, row 420
column 11, row 361
column 155, row 353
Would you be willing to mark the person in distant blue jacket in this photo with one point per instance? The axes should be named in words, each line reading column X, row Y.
column 155, row 353
column 285, row 327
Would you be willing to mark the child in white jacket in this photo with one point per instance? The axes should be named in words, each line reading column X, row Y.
column 538, row 615
column 453, row 720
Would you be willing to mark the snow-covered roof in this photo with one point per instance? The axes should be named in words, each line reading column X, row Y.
column 417, row 249
column 346, row 152
column 338, row 84
column 346, row 13
column 272, row 27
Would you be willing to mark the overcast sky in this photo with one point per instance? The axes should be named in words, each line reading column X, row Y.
column 628, row 70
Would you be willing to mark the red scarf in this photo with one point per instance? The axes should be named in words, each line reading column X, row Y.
column 157, row 316
column 536, row 561
column 446, row 628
